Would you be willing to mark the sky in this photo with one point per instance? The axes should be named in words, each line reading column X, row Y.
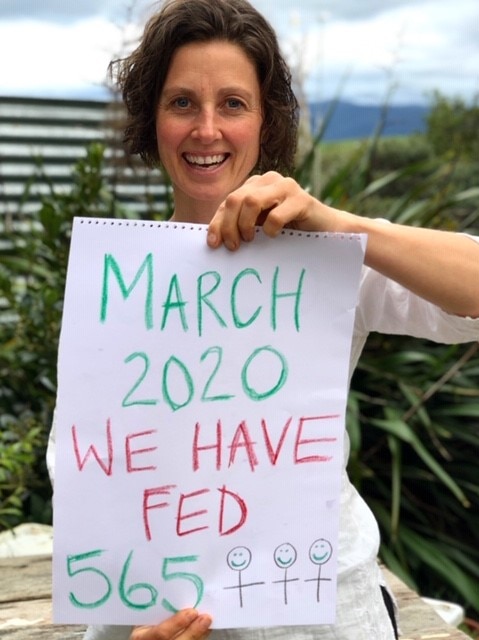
column 359, row 50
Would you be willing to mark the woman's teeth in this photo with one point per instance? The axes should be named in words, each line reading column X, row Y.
column 205, row 161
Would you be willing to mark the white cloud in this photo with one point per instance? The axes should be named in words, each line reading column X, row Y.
column 417, row 48
column 58, row 59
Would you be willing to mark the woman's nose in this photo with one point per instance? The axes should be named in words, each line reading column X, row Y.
column 206, row 127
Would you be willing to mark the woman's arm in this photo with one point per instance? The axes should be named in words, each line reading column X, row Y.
column 439, row 266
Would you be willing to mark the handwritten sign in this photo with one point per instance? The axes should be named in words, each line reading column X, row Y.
column 200, row 417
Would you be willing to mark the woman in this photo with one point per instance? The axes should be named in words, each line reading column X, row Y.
column 209, row 97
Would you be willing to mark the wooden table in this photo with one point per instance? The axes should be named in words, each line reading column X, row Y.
column 26, row 591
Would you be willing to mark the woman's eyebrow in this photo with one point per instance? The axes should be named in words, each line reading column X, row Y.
column 235, row 89
column 177, row 90
column 224, row 91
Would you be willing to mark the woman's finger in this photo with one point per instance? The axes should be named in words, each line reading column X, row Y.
column 187, row 624
column 243, row 209
column 271, row 201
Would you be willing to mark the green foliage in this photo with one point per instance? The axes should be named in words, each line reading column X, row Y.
column 413, row 421
column 33, row 259
column 453, row 126
column 19, row 452
column 400, row 179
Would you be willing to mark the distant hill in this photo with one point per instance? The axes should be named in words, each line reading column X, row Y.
column 353, row 121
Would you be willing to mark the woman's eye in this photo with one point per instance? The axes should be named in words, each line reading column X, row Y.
column 234, row 103
column 182, row 103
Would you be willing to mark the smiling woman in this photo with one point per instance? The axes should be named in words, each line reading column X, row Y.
column 209, row 97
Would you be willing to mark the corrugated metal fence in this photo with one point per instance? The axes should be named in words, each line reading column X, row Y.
column 40, row 142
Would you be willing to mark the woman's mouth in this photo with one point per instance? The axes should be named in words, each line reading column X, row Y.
column 205, row 162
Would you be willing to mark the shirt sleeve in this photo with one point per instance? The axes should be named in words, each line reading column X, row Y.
column 387, row 307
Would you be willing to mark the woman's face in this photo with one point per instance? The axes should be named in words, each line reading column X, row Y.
column 208, row 125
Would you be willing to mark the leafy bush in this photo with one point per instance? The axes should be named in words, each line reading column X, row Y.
column 452, row 127
column 20, row 452
column 413, row 424
column 33, row 259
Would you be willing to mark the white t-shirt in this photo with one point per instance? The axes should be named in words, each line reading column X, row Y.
column 385, row 307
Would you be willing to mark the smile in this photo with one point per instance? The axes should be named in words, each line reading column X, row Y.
column 238, row 564
column 205, row 161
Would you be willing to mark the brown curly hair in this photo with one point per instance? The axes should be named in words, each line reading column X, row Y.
column 141, row 75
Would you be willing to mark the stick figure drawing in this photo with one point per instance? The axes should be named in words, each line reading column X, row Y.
column 239, row 559
column 285, row 556
column 319, row 553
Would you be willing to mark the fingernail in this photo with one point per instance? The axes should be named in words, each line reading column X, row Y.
column 248, row 236
column 211, row 239
column 204, row 621
column 191, row 614
column 231, row 245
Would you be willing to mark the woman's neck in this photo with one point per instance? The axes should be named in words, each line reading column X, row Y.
column 197, row 212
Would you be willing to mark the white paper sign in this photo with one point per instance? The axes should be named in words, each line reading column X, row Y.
column 200, row 419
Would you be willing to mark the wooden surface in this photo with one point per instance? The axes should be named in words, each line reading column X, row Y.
column 26, row 599
column 418, row 620
column 25, row 606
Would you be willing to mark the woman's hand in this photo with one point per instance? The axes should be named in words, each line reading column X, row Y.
column 187, row 624
column 439, row 266
column 270, row 200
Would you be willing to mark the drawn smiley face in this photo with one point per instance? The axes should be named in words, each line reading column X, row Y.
column 320, row 551
column 285, row 555
column 239, row 558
